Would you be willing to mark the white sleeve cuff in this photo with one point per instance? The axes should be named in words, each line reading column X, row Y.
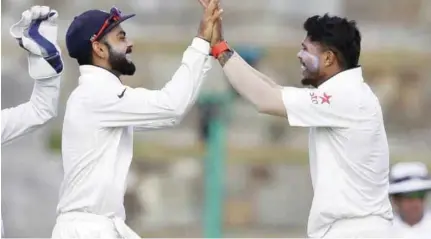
column 201, row 45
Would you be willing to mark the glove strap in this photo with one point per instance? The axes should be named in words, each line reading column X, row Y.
column 55, row 62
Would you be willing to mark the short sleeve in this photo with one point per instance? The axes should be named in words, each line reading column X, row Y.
column 317, row 108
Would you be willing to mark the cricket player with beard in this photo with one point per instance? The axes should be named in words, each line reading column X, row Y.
column 102, row 114
column 36, row 32
column 348, row 148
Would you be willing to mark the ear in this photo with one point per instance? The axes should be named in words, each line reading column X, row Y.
column 329, row 58
column 100, row 50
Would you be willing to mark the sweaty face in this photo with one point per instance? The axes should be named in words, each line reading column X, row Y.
column 120, row 50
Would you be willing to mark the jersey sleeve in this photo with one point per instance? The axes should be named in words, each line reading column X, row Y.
column 24, row 118
column 149, row 109
column 318, row 108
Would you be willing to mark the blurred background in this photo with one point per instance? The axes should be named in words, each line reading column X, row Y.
column 258, row 164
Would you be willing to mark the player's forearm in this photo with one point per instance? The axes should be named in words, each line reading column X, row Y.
column 267, row 79
column 181, row 92
column 261, row 75
column 36, row 112
column 264, row 94
column 45, row 97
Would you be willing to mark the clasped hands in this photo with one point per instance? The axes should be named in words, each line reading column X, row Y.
column 210, row 28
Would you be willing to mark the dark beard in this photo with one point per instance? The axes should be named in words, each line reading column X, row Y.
column 311, row 79
column 120, row 65
column 307, row 82
column 312, row 82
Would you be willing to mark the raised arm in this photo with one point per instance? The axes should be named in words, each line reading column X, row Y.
column 33, row 114
column 166, row 107
column 36, row 32
column 254, row 86
column 158, row 108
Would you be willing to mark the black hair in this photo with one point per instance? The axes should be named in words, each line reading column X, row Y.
column 338, row 35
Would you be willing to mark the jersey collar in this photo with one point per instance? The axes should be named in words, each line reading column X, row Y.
column 344, row 77
column 97, row 75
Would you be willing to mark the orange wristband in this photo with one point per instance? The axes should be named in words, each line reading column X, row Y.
column 219, row 48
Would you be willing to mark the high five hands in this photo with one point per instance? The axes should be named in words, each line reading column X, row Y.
column 211, row 28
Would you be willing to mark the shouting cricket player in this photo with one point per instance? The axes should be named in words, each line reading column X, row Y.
column 102, row 114
column 348, row 148
column 36, row 32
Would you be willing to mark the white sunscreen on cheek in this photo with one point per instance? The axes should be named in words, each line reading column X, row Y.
column 311, row 61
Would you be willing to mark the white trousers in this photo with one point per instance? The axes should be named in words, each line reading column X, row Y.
column 87, row 225
column 367, row 227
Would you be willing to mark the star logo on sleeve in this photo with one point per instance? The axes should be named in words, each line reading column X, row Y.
column 325, row 98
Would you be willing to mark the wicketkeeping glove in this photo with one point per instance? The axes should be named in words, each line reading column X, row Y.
column 37, row 33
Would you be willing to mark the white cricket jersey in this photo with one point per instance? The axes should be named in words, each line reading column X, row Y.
column 422, row 230
column 101, row 115
column 27, row 117
column 348, row 149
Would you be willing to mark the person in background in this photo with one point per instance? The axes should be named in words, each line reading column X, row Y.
column 410, row 183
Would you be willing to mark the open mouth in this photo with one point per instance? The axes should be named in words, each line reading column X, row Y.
column 303, row 67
